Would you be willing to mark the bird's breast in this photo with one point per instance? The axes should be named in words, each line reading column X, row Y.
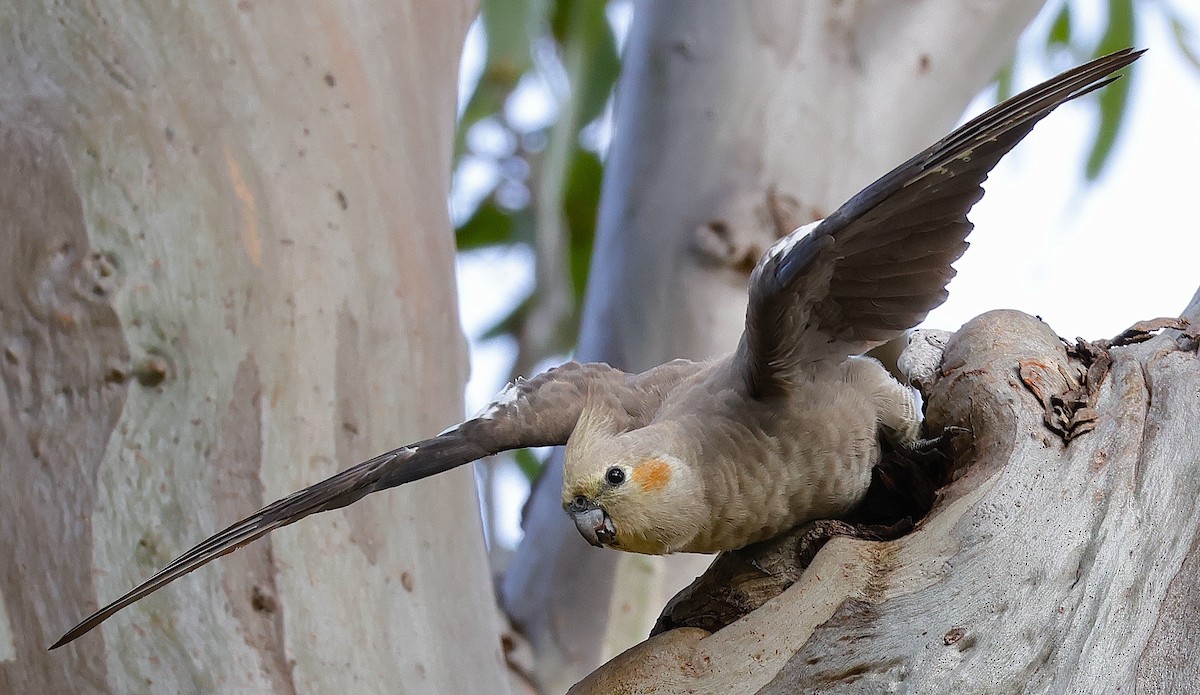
column 766, row 474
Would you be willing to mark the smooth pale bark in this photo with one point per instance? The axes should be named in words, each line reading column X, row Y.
column 1046, row 566
column 718, row 105
column 228, row 273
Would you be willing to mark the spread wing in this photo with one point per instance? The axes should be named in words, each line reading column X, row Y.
column 879, row 264
column 537, row 412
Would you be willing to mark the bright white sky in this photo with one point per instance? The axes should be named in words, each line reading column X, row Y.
column 1088, row 260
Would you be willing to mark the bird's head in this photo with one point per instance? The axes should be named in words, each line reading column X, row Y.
column 628, row 490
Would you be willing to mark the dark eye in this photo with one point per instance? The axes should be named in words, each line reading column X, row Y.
column 615, row 476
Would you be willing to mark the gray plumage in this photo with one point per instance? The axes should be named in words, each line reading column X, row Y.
column 714, row 456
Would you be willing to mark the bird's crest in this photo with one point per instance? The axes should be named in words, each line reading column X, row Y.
column 597, row 419
column 597, row 424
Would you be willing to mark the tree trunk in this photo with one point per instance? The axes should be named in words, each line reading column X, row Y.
column 735, row 122
column 228, row 273
column 1062, row 559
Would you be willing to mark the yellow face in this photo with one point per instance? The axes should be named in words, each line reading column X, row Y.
column 628, row 489
column 622, row 505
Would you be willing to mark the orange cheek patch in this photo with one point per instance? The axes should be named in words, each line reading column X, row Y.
column 652, row 474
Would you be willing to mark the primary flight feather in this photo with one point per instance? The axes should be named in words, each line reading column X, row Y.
column 711, row 456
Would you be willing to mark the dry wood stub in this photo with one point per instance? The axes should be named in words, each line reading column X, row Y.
column 1045, row 566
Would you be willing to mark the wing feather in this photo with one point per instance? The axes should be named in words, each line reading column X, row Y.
column 537, row 412
column 881, row 262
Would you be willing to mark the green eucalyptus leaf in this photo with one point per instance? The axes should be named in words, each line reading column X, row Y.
column 1113, row 99
column 492, row 225
column 581, row 203
column 589, row 52
column 1004, row 81
column 509, row 25
column 1183, row 41
column 528, row 464
column 1060, row 30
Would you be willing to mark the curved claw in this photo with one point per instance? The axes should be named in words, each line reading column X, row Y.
column 925, row 446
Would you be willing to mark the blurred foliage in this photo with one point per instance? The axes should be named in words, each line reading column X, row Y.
column 1120, row 32
column 547, row 192
column 1119, row 29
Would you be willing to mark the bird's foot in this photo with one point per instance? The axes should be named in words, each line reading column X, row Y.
column 923, row 447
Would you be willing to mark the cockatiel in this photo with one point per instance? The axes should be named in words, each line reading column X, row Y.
column 712, row 456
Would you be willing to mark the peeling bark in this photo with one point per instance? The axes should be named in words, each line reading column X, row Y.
column 228, row 273
column 1048, row 565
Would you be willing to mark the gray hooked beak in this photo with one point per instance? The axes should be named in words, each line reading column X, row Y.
column 593, row 523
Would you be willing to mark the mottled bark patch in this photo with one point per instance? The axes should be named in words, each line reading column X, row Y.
column 248, row 576
column 1166, row 663
column 353, row 381
column 64, row 365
